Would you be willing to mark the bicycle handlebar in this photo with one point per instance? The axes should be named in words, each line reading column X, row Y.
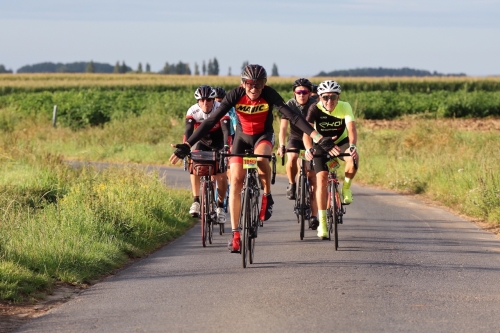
column 293, row 150
column 249, row 153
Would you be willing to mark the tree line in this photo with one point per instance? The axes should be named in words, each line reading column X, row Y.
column 376, row 72
column 211, row 67
column 4, row 70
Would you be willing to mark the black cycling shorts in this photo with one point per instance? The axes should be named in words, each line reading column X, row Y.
column 295, row 144
column 243, row 142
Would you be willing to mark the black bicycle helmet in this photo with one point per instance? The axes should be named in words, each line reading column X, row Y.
column 204, row 92
column 302, row 82
column 254, row 72
column 315, row 88
column 219, row 92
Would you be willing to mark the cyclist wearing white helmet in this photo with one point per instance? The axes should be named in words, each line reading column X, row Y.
column 332, row 118
column 216, row 138
column 253, row 101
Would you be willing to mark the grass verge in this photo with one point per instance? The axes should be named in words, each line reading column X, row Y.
column 62, row 224
column 455, row 167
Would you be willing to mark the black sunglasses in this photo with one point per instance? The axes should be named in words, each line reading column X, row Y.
column 330, row 97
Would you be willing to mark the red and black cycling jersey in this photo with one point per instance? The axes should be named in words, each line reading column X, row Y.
column 218, row 136
column 253, row 117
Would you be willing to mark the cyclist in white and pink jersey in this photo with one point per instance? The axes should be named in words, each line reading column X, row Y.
column 215, row 139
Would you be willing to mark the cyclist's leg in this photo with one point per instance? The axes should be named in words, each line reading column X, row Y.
column 321, row 197
column 350, row 172
column 264, row 146
column 195, row 185
column 221, row 193
column 311, row 175
column 321, row 192
column 291, row 171
column 291, row 167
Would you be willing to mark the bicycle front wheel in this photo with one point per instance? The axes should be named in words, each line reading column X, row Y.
column 302, row 204
column 330, row 210
column 245, row 223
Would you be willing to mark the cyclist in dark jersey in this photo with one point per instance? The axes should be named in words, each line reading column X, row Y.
column 301, row 102
column 335, row 119
column 253, row 101
column 215, row 139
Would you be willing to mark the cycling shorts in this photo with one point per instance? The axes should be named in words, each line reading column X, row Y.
column 295, row 144
column 320, row 162
column 243, row 142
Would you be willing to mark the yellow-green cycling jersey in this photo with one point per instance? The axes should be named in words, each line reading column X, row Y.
column 331, row 123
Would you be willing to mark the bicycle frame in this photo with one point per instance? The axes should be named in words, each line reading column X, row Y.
column 249, row 221
column 208, row 215
column 302, row 206
column 335, row 207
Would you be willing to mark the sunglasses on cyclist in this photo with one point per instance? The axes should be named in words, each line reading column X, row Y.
column 259, row 84
column 331, row 97
column 206, row 99
column 302, row 92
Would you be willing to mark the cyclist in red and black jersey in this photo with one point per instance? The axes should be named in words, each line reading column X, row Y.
column 254, row 102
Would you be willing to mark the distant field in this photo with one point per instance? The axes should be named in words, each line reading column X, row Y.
column 38, row 82
column 94, row 99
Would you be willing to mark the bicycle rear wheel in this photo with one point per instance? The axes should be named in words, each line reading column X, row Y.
column 204, row 214
column 211, row 212
column 338, row 217
column 255, row 227
column 302, row 203
column 335, row 212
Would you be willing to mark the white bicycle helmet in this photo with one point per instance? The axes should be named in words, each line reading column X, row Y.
column 204, row 92
column 328, row 86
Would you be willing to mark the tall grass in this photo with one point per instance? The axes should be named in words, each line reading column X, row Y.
column 73, row 225
column 454, row 167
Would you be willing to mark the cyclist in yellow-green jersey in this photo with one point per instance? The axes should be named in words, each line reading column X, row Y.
column 332, row 118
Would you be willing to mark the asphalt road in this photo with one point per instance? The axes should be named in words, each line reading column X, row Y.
column 401, row 267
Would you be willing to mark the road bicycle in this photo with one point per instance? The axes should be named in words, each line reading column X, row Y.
column 302, row 207
column 249, row 221
column 206, row 164
column 335, row 207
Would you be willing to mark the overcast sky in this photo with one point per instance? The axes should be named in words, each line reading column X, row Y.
column 301, row 37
